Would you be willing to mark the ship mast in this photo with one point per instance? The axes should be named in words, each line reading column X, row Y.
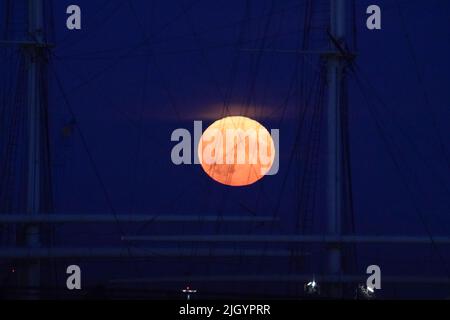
column 35, row 67
column 335, row 78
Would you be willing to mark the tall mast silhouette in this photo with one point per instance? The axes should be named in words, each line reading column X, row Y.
column 335, row 78
column 35, row 52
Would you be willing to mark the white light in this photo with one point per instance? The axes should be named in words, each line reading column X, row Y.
column 188, row 292
column 367, row 292
column 312, row 288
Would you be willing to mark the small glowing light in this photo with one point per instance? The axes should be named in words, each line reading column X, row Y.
column 365, row 292
column 312, row 288
column 188, row 292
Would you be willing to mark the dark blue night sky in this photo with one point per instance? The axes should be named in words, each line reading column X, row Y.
column 140, row 69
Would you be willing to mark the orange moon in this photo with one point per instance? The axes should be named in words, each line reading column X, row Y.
column 236, row 151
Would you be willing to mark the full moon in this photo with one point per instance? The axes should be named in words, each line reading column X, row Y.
column 236, row 151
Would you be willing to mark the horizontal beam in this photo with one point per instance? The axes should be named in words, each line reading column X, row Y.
column 26, row 43
column 304, row 52
column 301, row 52
column 288, row 278
column 292, row 239
column 59, row 253
column 126, row 218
